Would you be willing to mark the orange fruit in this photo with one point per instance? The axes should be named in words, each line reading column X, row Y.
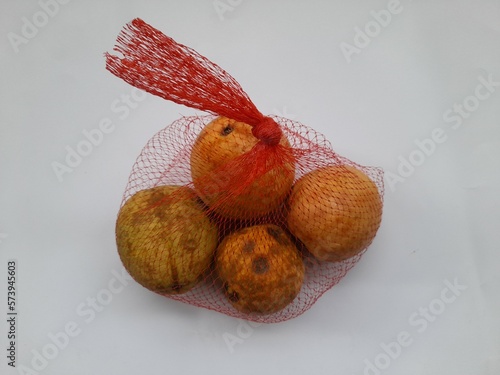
column 260, row 268
column 164, row 238
column 221, row 162
column 335, row 211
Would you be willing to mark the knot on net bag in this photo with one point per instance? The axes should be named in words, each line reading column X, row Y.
column 250, row 215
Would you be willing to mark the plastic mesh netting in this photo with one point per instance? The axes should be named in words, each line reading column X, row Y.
column 253, row 216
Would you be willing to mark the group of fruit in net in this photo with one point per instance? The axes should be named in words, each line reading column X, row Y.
column 269, row 239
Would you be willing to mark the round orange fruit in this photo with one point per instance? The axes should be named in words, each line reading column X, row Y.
column 260, row 268
column 164, row 238
column 220, row 165
column 335, row 211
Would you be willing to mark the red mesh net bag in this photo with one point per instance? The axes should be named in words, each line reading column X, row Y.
column 253, row 216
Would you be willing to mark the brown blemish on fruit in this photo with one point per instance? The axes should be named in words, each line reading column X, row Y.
column 260, row 265
column 278, row 235
column 156, row 198
column 176, row 287
column 231, row 294
column 233, row 297
column 249, row 246
column 190, row 244
column 226, row 130
column 156, row 204
column 275, row 250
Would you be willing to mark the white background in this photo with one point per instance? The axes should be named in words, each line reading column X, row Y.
column 441, row 219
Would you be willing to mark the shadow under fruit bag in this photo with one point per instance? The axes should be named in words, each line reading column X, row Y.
column 253, row 216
